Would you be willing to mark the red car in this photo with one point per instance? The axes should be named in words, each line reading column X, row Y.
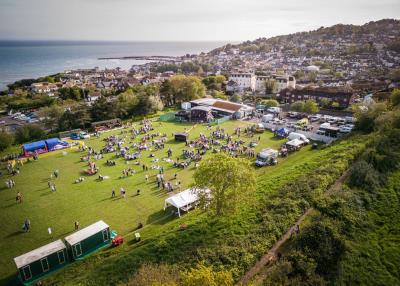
column 117, row 240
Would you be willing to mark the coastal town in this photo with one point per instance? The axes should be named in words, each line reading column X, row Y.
column 260, row 157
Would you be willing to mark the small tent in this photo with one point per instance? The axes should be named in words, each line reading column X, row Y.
column 282, row 132
column 295, row 143
column 38, row 147
column 181, row 136
column 39, row 262
column 88, row 239
column 184, row 200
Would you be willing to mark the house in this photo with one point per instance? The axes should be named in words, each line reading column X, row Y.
column 245, row 81
column 39, row 262
column 88, row 239
column 342, row 96
column 281, row 82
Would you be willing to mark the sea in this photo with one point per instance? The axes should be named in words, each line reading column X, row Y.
column 33, row 59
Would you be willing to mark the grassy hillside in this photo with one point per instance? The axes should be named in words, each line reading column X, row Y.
column 91, row 200
column 234, row 242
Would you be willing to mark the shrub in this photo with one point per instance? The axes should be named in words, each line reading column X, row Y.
column 6, row 140
column 28, row 133
column 364, row 175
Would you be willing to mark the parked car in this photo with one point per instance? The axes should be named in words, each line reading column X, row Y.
column 345, row 129
column 315, row 118
column 274, row 109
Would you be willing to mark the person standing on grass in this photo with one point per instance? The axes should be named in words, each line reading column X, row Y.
column 113, row 193
column 76, row 225
column 146, row 178
column 18, row 198
column 27, row 225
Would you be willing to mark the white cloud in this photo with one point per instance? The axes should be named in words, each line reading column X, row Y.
column 178, row 19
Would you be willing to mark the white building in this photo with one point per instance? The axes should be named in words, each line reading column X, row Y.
column 245, row 81
column 282, row 82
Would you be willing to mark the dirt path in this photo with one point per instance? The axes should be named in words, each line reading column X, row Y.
column 271, row 255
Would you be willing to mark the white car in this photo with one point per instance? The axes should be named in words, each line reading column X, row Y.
column 345, row 129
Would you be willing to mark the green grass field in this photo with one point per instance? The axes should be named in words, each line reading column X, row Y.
column 90, row 201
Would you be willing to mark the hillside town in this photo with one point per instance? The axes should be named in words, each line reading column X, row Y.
column 273, row 161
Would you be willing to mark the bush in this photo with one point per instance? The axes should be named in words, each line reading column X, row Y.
column 364, row 175
column 28, row 133
column 6, row 140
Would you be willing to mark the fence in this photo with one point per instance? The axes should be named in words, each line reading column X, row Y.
column 220, row 120
column 167, row 117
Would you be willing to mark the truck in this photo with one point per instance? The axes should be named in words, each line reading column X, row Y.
column 267, row 157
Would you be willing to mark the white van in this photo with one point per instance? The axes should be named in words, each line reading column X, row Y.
column 294, row 135
column 267, row 157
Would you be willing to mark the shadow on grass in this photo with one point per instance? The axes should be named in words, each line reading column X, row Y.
column 11, row 280
column 161, row 217
column 14, row 234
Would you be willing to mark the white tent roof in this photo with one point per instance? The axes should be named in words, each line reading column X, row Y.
column 184, row 198
column 295, row 142
column 39, row 253
column 86, row 232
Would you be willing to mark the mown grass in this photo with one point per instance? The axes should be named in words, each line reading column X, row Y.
column 233, row 242
column 91, row 200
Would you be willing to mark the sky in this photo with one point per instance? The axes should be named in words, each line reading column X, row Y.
column 180, row 20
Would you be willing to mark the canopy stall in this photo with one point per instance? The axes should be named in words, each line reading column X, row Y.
column 38, row 147
column 184, row 200
column 296, row 143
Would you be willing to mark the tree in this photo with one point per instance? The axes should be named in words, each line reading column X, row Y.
column 219, row 94
column 102, row 109
column 74, row 93
column 51, row 116
column 28, row 132
column 335, row 104
column 214, row 82
column 75, row 117
column 126, row 103
column 186, row 88
column 363, row 175
column 166, row 93
column 236, row 98
column 203, row 275
column 6, row 140
column 270, row 86
column 395, row 97
column 310, row 106
column 325, row 102
column 230, row 180
column 269, row 102
column 297, row 106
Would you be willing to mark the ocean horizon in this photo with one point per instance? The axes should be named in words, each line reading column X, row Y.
column 23, row 59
